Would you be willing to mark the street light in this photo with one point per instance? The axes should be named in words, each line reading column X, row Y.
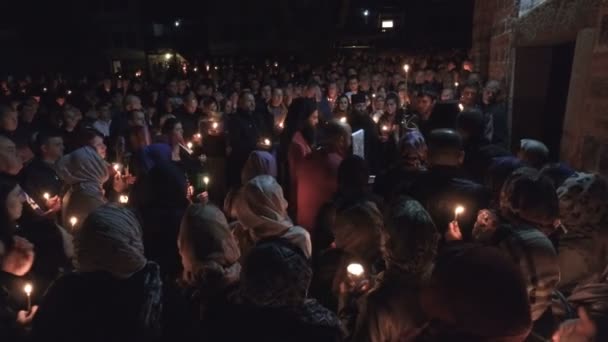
column 365, row 13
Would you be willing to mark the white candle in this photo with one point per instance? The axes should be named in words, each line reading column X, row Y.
column 73, row 221
column 457, row 211
column 189, row 144
column 355, row 269
column 461, row 107
column 28, row 291
column 46, row 196
column 206, row 181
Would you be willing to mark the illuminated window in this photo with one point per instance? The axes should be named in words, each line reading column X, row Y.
column 387, row 24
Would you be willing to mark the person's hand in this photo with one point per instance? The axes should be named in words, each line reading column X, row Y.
column 574, row 330
column 119, row 184
column 19, row 259
column 203, row 197
column 53, row 204
column 190, row 192
column 26, row 317
column 453, row 233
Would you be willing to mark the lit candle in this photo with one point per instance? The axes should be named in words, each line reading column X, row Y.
column 215, row 67
column 406, row 68
column 215, row 125
column 116, row 167
column 461, row 107
column 46, row 196
column 276, row 64
column 456, row 84
column 195, row 69
column 343, row 119
column 69, row 92
column 197, row 136
column 207, row 67
column 267, row 142
column 206, row 181
column 73, row 221
column 373, row 95
column 385, row 128
column 124, row 199
column 189, row 144
column 44, row 89
column 281, row 125
column 457, row 211
column 28, row 291
column 355, row 270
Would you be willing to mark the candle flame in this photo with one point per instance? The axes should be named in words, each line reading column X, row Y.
column 215, row 125
column 343, row 119
column 385, row 128
column 197, row 136
column 44, row 89
column 123, row 199
column 459, row 210
column 206, row 180
column 28, row 289
column 355, row 269
column 69, row 92
column 267, row 142
column 456, row 84
column 73, row 221
column 281, row 125
column 189, row 144
column 46, row 196
column 116, row 167
column 461, row 107
column 406, row 67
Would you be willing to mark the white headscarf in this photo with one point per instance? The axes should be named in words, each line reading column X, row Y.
column 262, row 208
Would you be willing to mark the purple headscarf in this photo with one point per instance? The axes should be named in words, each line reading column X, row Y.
column 259, row 163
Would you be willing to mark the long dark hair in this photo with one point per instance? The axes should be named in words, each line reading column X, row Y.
column 297, row 121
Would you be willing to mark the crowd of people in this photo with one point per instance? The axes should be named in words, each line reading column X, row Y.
column 238, row 202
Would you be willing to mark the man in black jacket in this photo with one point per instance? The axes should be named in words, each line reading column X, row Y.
column 443, row 187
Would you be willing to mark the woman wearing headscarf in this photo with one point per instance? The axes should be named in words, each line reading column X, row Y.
column 115, row 293
column 356, row 232
column 262, row 210
column 583, row 207
column 409, row 245
column 521, row 229
column 274, row 306
column 211, row 271
column 85, row 172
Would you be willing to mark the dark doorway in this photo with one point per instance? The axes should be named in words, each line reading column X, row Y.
column 540, row 93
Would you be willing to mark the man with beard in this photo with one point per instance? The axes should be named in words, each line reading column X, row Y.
column 495, row 110
column 358, row 119
column 189, row 117
column 302, row 120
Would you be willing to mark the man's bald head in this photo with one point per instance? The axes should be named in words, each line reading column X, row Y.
column 445, row 147
column 10, row 163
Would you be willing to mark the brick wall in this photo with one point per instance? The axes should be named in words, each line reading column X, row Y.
column 493, row 36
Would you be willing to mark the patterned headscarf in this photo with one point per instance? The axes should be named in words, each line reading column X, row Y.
column 410, row 238
column 262, row 208
column 258, row 163
column 533, row 152
column 528, row 196
column 110, row 240
column 412, row 147
column 583, row 203
column 276, row 275
column 209, row 251
column 85, row 170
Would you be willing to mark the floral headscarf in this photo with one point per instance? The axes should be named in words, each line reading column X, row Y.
column 583, row 203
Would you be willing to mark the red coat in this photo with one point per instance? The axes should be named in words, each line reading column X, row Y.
column 317, row 183
column 298, row 150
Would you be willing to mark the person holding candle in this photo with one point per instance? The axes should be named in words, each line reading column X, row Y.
column 359, row 119
column 356, row 232
column 274, row 302
column 115, row 295
column 409, row 244
column 85, row 172
column 245, row 132
column 444, row 185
